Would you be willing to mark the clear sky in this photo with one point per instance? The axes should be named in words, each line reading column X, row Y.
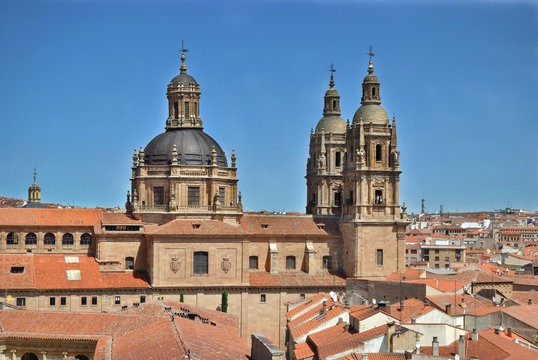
column 82, row 83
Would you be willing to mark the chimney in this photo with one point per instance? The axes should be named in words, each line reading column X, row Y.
column 496, row 331
column 475, row 335
column 448, row 309
column 509, row 331
column 401, row 305
column 340, row 320
column 463, row 304
column 461, row 347
column 391, row 328
column 530, row 301
column 435, row 346
column 364, row 357
column 346, row 328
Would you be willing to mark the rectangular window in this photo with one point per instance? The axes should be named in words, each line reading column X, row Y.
column 84, row 301
column 437, row 258
column 176, row 110
column 253, row 263
column 437, row 251
column 262, row 298
column 447, row 258
column 337, row 199
column 290, row 262
column 193, row 196
column 187, row 110
column 21, row 302
column 437, row 266
column 117, row 300
column 379, row 257
column 378, row 197
column 17, row 269
column 63, row 301
column 142, row 299
column 195, row 109
column 158, row 195
column 301, row 296
column 94, row 300
column 222, row 196
column 52, row 301
column 327, row 262
column 200, row 262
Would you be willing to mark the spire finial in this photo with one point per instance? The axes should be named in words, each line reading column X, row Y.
column 35, row 174
column 183, row 68
column 370, row 65
column 332, row 70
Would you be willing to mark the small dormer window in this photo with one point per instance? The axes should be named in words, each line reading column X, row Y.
column 17, row 269
column 195, row 226
column 265, row 226
column 321, row 226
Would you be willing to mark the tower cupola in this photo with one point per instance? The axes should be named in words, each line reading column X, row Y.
column 34, row 195
column 331, row 121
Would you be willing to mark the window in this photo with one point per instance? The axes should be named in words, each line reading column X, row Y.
column 158, row 195
column 67, row 239
column 437, row 266
column 85, row 239
column 446, row 266
column 313, row 201
column 200, row 262
column 334, row 104
column 327, row 262
column 17, row 269
column 21, row 302
column 142, row 299
column 82, row 357
column 290, row 262
column 437, row 258
column 338, row 159
column 378, row 197
column 29, row 356
column 12, row 239
column 337, row 199
column 378, row 152
column 437, row 251
column 49, row 239
column 84, row 301
column 94, row 300
column 262, row 298
column 176, row 110
column 187, row 110
column 52, row 301
column 447, row 258
column 117, row 300
column 63, row 301
column 379, row 258
column 373, row 91
column 193, row 196
column 253, row 262
column 30, row 239
column 222, row 195
column 129, row 263
column 301, row 296
column 195, row 109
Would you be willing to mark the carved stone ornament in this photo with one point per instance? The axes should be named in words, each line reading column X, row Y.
column 225, row 265
column 175, row 265
column 379, row 182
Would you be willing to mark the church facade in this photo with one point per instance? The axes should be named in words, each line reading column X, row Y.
column 184, row 234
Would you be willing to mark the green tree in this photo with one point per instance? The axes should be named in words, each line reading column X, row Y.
column 224, row 305
column 181, row 299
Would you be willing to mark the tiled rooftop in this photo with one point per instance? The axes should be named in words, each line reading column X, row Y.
column 291, row 278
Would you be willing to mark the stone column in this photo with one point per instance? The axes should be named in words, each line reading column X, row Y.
column 2, row 353
column 13, row 354
column 44, row 355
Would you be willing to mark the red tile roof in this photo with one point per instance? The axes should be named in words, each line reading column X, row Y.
column 195, row 227
column 374, row 356
column 470, row 306
column 310, row 325
column 119, row 219
column 289, row 225
column 306, row 304
column 524, row 313
column 291, row 278
column 50, row 271
column 303, row 350
column 310, row 314
column 50, row 217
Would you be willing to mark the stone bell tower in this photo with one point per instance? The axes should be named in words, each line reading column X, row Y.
column 326, row 162
column 372, row 225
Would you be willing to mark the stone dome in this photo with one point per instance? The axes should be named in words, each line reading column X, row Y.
column 194, row 147
column 371, row 113
column 183, row 79
column 331, row 123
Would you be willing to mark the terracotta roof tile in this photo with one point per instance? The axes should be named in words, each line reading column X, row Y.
column 304, row 328
column 306, row 304
column 50, row 217
column 119, row 219
column 303, row 350
column 375, row 356
column 195, row 227
column 289, row 225
column 524, row 313
column 310, row 314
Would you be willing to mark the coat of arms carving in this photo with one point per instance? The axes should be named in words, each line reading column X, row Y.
column 225, row 265
column 175, row 265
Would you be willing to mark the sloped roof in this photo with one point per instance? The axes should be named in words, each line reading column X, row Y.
column 50, row 217
column 289, row 225
column 119, row 219
column 524, row 313
column 290, row 278
column 307, row 326
column 195, row 227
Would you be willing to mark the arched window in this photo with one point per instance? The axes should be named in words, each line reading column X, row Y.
column 338, row 159
column 290, row 262
column 313, row 201
column 49, row 239
column 29, row 356
column 30, row 239
column 373, row 91
column 253, row 262
column 200, row 262
column 85, row 239
column 378, row 152
column 12, row 239
column 129, row 263
column 334, row 104
column 82, row 357
column 327, row 262
column 67, row 239
column 378, row 197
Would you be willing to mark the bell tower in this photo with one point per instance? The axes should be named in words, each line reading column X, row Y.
column 326, row 162
column 372, row 223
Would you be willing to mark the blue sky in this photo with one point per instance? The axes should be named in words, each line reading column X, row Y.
column 83, row 83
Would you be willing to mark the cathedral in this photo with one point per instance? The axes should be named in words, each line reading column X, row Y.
column 184, row 234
